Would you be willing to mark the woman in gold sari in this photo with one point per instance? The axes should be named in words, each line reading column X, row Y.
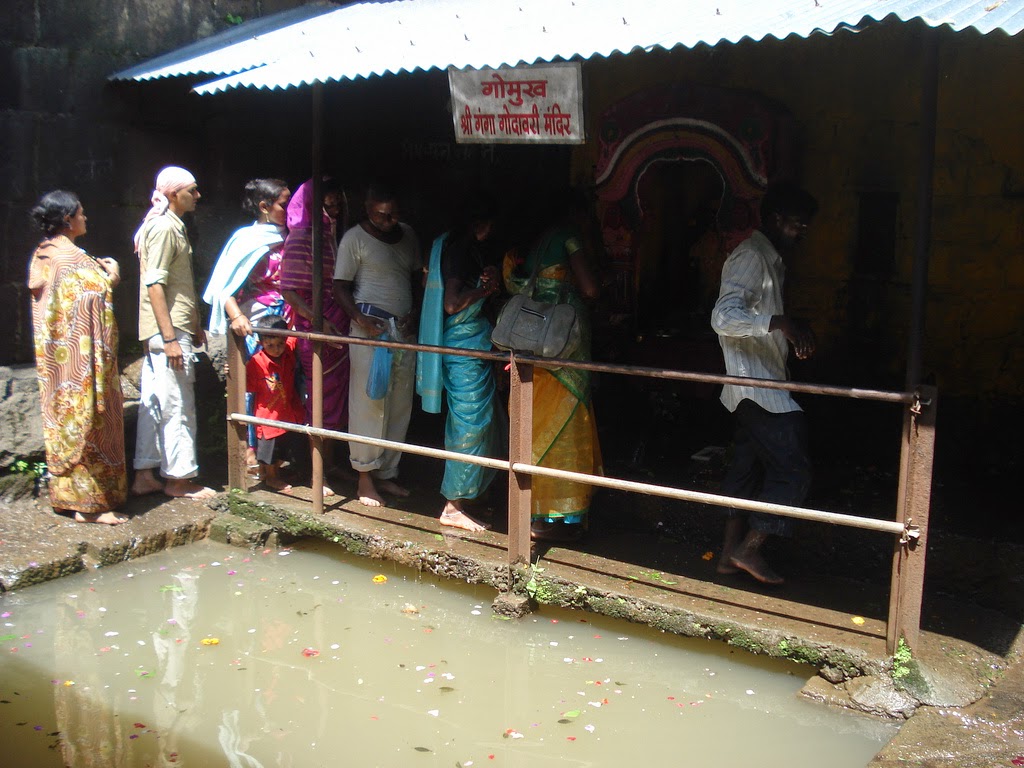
column 564, row 430
column 76, row 359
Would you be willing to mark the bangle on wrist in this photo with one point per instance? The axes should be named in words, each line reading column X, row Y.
column 168, row 341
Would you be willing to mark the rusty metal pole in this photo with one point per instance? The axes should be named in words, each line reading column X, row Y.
column 906, row 590
column 520, row 449
column 923, row 221
column 237, row 432
column 914, row 505
column 317, row 390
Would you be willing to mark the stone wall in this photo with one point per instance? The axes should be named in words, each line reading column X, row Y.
column 62, row 125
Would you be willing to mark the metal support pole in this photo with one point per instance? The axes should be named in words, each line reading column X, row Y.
column 913, row 507
column 317, row 390
column 520, row 449
column 237, row 432
column 923, row 222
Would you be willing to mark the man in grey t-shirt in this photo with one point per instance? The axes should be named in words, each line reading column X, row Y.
column 373, row 282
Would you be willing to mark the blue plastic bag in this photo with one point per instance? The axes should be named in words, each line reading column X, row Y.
column 379, row 380
column 380, row 372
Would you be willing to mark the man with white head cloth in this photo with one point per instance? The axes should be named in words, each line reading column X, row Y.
column 169, row 328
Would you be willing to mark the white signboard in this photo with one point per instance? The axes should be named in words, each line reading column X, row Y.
column 518, row 105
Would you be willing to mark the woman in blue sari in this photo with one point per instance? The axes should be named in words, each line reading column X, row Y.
column 460, row 279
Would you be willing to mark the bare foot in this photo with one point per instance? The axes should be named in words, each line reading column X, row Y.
column 456, row 518
column 734, row 530
column 328, row 491
column 105, row 518
column 758, row 567
column 145, row 483
column 390, row 486
column 367, row 491
column 184, row 489
column 276, row 484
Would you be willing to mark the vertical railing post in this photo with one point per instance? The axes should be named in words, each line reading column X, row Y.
column 914, row 502
column 520, row 450
column 237, row 431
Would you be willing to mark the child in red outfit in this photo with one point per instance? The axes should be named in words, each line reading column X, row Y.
column 270, row 376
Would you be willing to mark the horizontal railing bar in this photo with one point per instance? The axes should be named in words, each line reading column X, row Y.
column 421, row 450
column 751, row 505
column 670, row 374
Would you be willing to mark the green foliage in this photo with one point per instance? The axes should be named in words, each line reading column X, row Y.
column 656, row 576
column 532, row 585
column 36, row 469
column 233, row 19
column 901, row 661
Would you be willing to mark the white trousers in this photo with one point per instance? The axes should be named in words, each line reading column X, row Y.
column 387, row 418
column 166, row 436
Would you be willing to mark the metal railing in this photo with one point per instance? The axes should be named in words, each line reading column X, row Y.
column 909, row 529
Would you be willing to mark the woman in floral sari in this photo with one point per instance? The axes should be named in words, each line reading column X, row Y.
column 564, row 430
column 460, row 279
column 76, row 359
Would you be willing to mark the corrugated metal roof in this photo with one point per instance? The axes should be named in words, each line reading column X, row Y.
column 250, row 44
column 376, row 38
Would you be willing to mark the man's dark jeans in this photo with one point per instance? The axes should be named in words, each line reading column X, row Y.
column 769, row 463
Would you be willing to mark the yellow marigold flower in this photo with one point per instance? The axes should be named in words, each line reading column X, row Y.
column 380, row 578
column 210, row 641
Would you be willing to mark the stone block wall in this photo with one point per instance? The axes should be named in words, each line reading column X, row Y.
column 62, row 125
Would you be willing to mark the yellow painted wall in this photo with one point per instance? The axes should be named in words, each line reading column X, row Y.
column 855, row 100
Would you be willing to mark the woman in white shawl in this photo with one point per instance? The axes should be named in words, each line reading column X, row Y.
column 246, row 281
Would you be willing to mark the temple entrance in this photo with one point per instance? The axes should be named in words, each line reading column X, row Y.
column 679, row 178
column 680, row 250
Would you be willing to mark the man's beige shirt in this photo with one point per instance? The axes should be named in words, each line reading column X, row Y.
column 165, row 257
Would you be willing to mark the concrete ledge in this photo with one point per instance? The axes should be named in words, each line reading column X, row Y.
column 26, row 574
column 39, row 546
column 238, row 531
column 449, row 556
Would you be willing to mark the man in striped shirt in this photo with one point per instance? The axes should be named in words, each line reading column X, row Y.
column 770, row 460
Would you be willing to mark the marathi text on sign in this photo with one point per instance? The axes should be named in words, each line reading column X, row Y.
column 518, row 105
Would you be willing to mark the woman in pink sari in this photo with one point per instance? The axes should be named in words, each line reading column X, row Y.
column 297, row 288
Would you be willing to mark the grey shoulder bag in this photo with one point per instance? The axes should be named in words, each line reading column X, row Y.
column 536, row 327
